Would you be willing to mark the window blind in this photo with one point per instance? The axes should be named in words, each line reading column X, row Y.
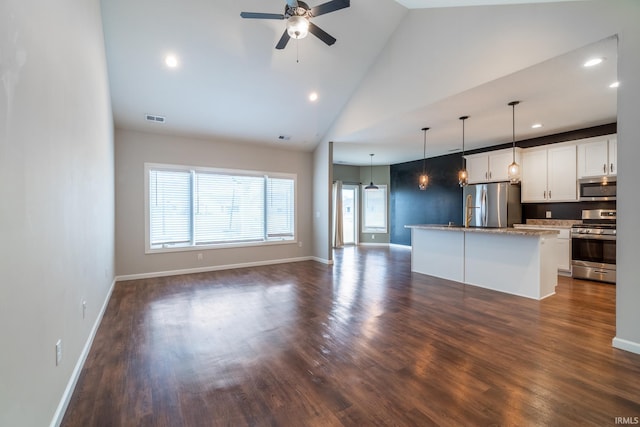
column 201, row 206
column 169, row 207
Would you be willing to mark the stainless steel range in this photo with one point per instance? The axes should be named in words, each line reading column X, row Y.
column 593, row 246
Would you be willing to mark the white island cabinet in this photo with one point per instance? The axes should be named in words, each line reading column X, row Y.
column 516, row 261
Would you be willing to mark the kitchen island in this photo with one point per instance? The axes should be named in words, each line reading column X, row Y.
column 512, row 260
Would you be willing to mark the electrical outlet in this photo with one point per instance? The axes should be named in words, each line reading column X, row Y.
column 84, row 308
column 299, row 244
column 373, row 237
column 548, row 214
column 58, row 352
column 200, row 257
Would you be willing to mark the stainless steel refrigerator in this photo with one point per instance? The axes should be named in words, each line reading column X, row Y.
column 492, row 205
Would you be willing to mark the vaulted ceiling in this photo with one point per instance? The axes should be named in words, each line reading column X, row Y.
column 232, row 84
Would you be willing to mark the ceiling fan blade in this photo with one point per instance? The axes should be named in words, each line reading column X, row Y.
column 283, row 40
column 330, row 6
column 321, row 34
column 292, row 3
column 258, row 15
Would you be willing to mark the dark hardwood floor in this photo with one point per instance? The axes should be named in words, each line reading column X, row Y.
column 364, row 342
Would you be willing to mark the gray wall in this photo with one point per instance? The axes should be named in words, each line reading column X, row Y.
column 133, row 149
column 56, row 198
column 362, row 174
column 346, row 173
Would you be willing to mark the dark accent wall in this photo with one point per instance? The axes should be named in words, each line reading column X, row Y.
column 569, row 210
column 440, row 203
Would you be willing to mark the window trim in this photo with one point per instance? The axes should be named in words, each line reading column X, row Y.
column 205, row 169
column 378, row 230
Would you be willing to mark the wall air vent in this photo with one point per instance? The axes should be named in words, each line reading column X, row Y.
column 155, row 119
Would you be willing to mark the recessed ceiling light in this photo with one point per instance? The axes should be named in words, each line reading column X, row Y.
column 614, row 85
column 593, row 61
column 171, row 61
column 313, row 96
column 536, row 125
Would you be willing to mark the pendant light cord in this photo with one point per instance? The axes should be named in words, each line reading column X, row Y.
column 424, row 152
column 463, row 118
column 513, row 127
column 371, row 169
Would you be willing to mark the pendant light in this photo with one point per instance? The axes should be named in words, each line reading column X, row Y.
column 463, row 176
column 424, row 179
column 514, row 168
column 371, row 186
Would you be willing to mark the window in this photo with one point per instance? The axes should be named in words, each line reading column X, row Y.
column 195, row 207
column 374, row 211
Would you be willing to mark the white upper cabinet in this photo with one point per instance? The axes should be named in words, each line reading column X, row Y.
column 492, row 166
column 549, row 174
column 597, row 157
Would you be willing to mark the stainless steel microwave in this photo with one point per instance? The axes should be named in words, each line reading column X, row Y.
column 597, row 189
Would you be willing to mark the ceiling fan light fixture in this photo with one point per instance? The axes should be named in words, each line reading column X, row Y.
column 297, row 27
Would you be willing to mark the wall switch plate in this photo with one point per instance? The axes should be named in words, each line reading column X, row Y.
column 58, row 352
column 548, row 214
column 373, row 237
column 84, row 308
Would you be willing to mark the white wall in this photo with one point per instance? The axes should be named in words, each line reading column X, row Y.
column 133, row 149
column 628, row 204
column 322, row 184
column 56, row 198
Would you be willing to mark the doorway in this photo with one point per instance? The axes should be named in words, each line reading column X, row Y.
column 350, row 214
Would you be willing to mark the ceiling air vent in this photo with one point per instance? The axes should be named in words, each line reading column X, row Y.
column 155, row 119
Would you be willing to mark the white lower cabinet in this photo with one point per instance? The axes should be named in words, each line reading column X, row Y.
column 563, row 246
column 564, row 251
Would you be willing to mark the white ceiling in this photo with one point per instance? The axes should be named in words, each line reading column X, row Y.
column 423, row 4
column 231, row 83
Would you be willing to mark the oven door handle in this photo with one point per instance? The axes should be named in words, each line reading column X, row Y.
column 593, row 237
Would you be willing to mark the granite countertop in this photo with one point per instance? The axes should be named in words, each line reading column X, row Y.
column 549, row 223
column 506, row 230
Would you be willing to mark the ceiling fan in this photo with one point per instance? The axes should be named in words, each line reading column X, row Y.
column 298, row 15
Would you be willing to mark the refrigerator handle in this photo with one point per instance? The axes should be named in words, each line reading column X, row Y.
column 483, row 209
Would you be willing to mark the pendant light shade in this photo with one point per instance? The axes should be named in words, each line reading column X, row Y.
column 514, row 168
column 371, row 186
column 463, row 176
column 424, row 178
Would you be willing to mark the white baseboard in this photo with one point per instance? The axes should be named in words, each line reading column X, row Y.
column 373, row 244
column 75, row 375
column 622, row 344
column 322, row 260
column 399, row 246
column 217, row 268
